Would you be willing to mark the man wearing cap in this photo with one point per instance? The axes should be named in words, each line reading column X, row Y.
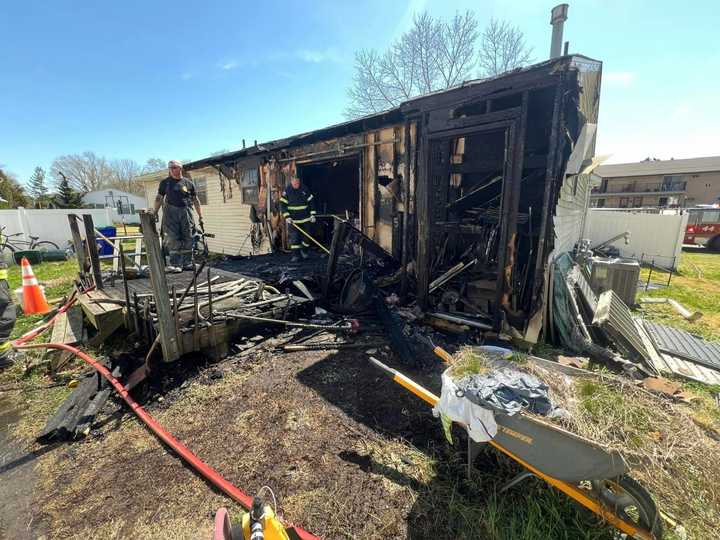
column 297, row 207
column 177, row 195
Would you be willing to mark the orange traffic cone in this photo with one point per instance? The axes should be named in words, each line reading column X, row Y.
column 33, row 297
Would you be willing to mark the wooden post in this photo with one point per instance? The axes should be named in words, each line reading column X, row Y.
column 422, row 214
column 405, row 255
column 117, row 244
column 138, row 252
column 339, row 231
column 128, row 307
column 512, row 184
column 77, row 243
column 166, row 321
column 91, row 243
column 554, row 149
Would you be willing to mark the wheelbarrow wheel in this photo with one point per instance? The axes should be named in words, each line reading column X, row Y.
column 631, row 502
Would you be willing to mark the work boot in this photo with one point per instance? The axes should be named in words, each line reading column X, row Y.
column 173, row 269
column 304, row 254
column 190, row 267
column 295, row 258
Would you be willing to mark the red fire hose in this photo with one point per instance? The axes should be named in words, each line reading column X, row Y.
column 200, row 466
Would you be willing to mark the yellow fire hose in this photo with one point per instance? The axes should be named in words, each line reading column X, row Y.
column 326, row 250
column 570, row 490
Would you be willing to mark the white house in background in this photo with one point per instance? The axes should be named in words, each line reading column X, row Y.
column 125, row 203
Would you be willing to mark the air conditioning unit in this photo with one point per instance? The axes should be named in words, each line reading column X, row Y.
column 620, row 275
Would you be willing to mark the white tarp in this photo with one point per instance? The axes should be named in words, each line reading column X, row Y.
column 480, row 422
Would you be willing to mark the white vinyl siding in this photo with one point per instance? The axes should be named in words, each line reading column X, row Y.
column 229, row 221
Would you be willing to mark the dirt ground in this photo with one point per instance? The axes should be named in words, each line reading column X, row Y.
column 298, row 423
column 348, row 453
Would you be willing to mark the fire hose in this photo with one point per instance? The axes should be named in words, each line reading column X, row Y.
column 200, row 466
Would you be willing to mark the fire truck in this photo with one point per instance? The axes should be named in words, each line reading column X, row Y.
column 703, row 227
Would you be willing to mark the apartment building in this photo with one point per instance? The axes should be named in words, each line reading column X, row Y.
column 672, row 183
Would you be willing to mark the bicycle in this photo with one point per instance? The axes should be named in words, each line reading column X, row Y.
column 22, row 245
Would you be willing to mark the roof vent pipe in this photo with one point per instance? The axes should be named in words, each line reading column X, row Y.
column 558, row 16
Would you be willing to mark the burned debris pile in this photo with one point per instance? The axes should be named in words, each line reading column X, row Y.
column 600, row 325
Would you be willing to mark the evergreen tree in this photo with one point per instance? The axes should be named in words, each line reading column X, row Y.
column 36, row 186
column 67, row 196
column 11, row 192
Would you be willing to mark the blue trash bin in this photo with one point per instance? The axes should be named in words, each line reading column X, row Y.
column 105, row 248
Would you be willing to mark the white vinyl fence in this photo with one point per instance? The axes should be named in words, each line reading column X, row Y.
column 51, row 224
column 653, row 237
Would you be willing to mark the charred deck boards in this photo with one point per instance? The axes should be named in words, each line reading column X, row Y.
column 107, row 311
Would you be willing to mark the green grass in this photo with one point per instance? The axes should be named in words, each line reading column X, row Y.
column 697, row 287
column 450, row 505
column 57, row 277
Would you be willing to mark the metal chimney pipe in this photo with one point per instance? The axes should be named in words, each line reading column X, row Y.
column 558, row 16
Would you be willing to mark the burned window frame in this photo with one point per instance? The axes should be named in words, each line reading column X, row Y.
column 249, row 182
column 201, row 189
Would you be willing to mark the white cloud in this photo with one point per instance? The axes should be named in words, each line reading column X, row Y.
column 228, row 65
column 317, row 56
column 621, row 78
column 682, row 110
column 673, row 141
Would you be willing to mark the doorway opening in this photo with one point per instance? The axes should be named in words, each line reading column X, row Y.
column 335, row 184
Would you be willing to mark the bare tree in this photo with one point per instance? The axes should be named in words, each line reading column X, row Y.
column 89, row 172
column 502, row 48
column 153, row 164
column 457, row 48
column 124, row 172
column 85, row 172
column 432, row 55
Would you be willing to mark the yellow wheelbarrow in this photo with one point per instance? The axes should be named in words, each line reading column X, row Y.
column 578, row 467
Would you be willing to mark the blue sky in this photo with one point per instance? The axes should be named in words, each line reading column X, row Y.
column 140, row 79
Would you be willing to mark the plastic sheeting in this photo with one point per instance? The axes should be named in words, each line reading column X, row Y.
column 480, row 421
column 507, row 390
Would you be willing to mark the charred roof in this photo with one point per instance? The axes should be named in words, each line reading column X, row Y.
column 513, row 80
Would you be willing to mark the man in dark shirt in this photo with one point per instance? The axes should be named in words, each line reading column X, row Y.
column 177, row 195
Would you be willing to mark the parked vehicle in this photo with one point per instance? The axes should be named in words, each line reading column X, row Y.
column 703, row 227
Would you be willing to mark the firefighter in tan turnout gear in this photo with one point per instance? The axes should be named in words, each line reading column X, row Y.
column 297, row 206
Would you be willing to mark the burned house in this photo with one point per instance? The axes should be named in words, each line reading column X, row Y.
column 473, row 189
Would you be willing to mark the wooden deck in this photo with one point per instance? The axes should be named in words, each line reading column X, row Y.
column 143, row 287
column 107, row 310
column 169, row 309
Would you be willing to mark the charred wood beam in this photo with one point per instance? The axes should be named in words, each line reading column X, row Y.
column 338, row 241
column 510, row 203
column 472, row 198
column 166, row 320
column 92, row 248
column 550, row 174
column 422, row 214
column 394, row 328
column 61, row 425
column 439, row 119
column 409, row 174
column 529, row 162
column 535, row 78
column 80, row 252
